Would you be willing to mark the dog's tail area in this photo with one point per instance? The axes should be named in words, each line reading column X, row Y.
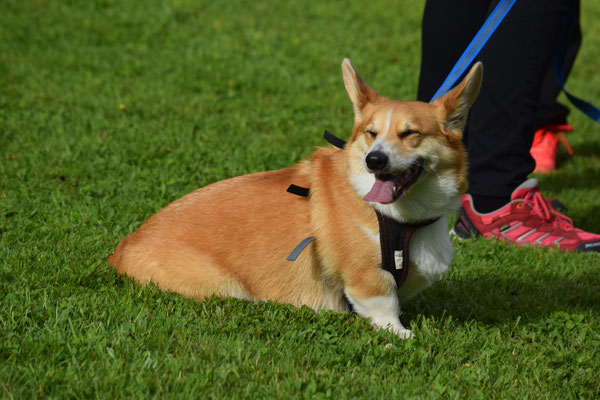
column 113, row 259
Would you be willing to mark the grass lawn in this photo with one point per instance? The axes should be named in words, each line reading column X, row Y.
column 109, row 110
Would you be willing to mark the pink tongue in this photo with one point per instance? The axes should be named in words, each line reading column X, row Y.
column 381, row 192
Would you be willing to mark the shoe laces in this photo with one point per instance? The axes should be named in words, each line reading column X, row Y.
column 543, row 210
column 558, row 131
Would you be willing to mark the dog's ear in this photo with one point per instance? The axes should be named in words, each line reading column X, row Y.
column 454, row 106
column 359, row 92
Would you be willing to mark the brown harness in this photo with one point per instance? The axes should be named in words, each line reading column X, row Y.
column 394, row 239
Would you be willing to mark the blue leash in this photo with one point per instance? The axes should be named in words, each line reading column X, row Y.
column 481, row 38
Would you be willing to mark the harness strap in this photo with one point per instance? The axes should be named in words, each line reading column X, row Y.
column 302, row 192
column 298, row 249
column 298, row 190
column 334, row 140
column 394, row 239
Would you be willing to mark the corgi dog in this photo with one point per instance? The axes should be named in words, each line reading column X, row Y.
column 231, row 238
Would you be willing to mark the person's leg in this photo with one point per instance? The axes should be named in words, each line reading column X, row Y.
column 551, row 118
column 500, row 129
column 501, row 124
column 551, row 112
column 446, row 31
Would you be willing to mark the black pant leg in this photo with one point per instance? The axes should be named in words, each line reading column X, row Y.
column 551, row 112
column 501, row 123
column 447, row 29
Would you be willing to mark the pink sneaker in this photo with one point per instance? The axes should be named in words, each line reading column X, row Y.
column 528, row 219
column 545, row 145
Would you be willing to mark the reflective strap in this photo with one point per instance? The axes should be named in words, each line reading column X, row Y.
column 296, row 252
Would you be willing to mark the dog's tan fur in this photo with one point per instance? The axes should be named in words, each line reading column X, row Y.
column 232, row 238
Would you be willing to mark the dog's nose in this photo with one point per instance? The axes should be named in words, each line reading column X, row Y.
column 376, row 160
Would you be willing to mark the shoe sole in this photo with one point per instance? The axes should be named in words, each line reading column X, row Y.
column 453, row 234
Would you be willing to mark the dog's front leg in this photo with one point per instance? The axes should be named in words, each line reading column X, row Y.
column 375, row 297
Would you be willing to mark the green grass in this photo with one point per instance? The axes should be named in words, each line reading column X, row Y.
column 210, row 90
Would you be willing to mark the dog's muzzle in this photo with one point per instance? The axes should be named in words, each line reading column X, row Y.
column 388, row 187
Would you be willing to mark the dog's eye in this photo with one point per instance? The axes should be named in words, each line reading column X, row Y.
column 371, row 133
column 408, row 133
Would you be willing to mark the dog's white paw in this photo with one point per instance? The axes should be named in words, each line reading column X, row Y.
column 401, row 331
column 405, row 334
column 397, row 329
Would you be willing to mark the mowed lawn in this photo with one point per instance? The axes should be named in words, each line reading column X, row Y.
column 110, row 110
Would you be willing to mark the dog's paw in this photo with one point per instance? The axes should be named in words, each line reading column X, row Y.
column 404, row 333
column 399, row 330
